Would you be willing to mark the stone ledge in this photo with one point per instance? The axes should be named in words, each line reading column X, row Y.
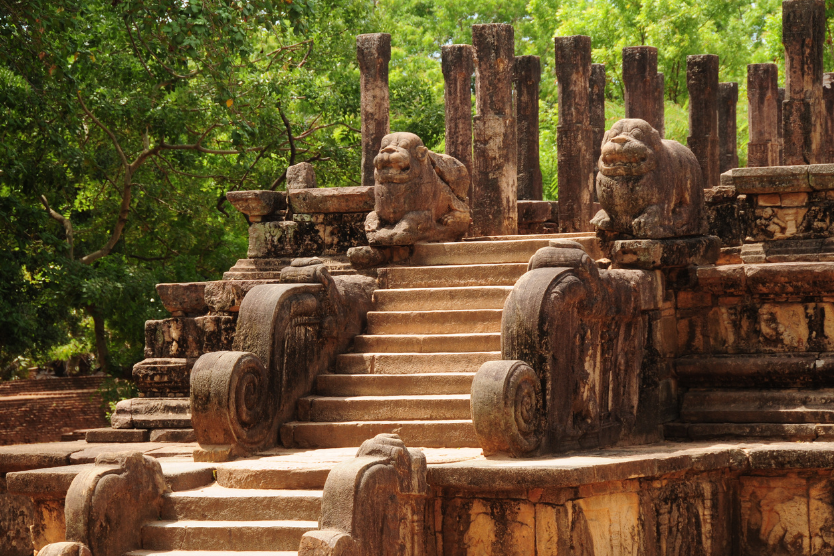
column 332, row 200
column 790, row 278
column 781, row 179
column 650, row 254
column 618, row 464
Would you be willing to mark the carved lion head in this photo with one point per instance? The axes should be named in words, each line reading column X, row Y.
column 401, row 158
column 630, row 148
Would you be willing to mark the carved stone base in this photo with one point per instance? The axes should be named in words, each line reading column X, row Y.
column 649, row 254
column 152, row 413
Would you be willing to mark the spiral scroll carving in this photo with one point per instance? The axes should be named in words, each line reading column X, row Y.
column 230, row 399
column 507, row 408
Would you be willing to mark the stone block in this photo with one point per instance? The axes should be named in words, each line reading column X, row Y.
column 821, row 176
column 657, row 253
column 117, row 435
column 173, row 435
column 258, row 205
column 163, row 376
column 224, row 296
column 793, row 199
column 332, row 199
column 772, row 179
column 534, row 211
column 272, row 240
column 768, row 200
column 183, row 299
column 301, row 176
column 152, row 413
column 185, row 337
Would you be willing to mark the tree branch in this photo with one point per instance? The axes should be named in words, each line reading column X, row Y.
column 65, row 222
column 104, row 129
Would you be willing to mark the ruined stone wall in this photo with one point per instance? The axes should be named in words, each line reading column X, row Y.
column 43, row 410
column 728, row 502
column 16, row 516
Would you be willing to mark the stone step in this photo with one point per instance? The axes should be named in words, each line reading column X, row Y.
column 747, row 432
column 211, row 553
column 426, row 434
column 225, row 535
column 403, row 385
column 456, row 276
column 217, row 503
column 503, row 250
column 384, row 408
column 441, row 299
column 427, row 343
column 758, row 406
column 434, row 322
column 413, row 363
column 765, row 370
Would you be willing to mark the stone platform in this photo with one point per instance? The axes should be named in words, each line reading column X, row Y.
column 612, row 501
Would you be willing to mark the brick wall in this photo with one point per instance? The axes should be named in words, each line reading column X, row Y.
column 42, row 410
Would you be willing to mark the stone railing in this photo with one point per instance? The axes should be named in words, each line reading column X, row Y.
column 286, row 335
column 573, row 342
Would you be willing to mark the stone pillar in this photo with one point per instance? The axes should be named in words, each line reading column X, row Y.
column 573, row 134
column 763, row 115
column 641, row 84
column 458, row 64
column 702, row 82
column 661, row 105
column 780, row 101
column 803, row 36
column 528, row 74
column 596, row 102
column 727, row 129
column 373, row 52
column 828, row 100
column 495, row 174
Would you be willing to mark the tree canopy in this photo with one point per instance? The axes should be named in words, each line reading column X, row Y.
column 125, row 122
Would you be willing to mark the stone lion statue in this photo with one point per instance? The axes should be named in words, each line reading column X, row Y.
column 419, row 195
column 648, row 187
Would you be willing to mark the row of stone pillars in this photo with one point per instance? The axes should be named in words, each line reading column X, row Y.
column 500, row 145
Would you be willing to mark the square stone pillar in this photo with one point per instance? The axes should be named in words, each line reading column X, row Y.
column 373, row 52
column 828, row 101
column 661, row 105
column 495, row 174
column 803, row 122
column 727, row 128
column 596, row 102
column 702, row 82
column 528, row 74
column 458, row 64
column 763, row 109
column 641, row 85
column 574, row 138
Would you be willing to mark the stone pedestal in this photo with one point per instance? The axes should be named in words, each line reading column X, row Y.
column 495, row 168
column 527, row 75
column 574, row 137
column 702, row 82
column 803, row 35
column 458, row 64
column 727, row 101
column 763, row 109
column 596, row 102
column 373, row 52
column 641, row 83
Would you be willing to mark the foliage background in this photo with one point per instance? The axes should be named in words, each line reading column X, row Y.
column 213, row 95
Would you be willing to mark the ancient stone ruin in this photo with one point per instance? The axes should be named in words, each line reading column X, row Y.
column 438, row 362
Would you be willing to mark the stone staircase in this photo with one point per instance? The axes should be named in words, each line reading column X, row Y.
column 433, row 325
column 248, row 511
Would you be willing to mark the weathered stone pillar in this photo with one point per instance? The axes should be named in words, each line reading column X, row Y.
column 702, row 82
column 373, row 52
column 661, row 105
column 573, row 134
column 641, row 84
column 458, row 64
column 763, row 115
column 803, row 36
column 528, row 74
column 780, row 101
column 596, row 102
column 727, row 128
column 495, row 173
column 828, row 100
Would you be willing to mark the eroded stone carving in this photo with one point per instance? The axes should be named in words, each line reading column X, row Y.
column 107, row 504
column 420, row 195
column 648, row 187
column 374, row 504
column 65, row 549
